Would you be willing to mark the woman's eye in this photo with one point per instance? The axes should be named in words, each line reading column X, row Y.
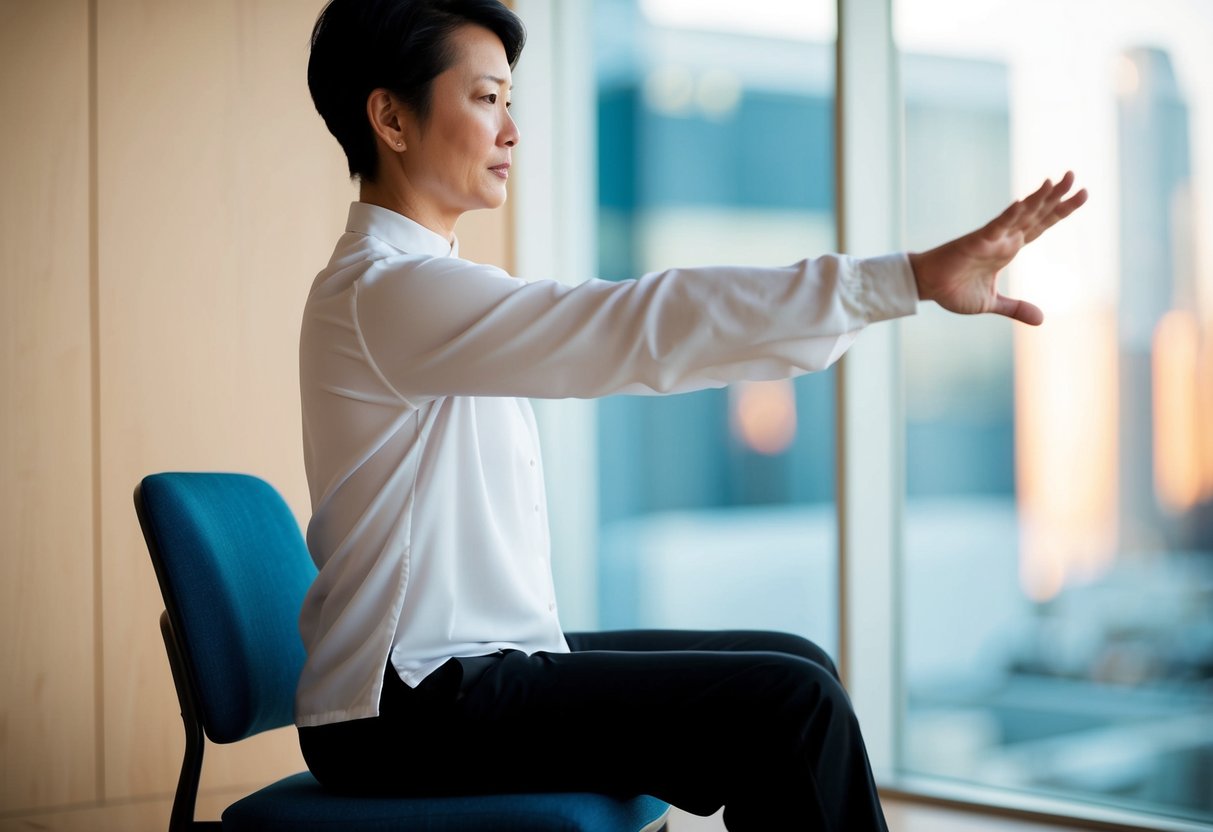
column 491, row 98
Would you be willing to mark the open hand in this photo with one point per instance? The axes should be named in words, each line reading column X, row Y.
column 961, row 275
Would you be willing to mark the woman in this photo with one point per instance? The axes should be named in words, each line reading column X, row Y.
column 436, row 661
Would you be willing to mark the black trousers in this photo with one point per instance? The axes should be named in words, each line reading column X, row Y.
column 756, row 722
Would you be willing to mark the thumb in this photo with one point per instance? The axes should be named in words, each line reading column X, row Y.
column 1019, row 310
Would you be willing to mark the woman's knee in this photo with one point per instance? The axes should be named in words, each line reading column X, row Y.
column 795, row 685
column 795, row 645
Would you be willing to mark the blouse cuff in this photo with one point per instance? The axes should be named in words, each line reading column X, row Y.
column 887, row 288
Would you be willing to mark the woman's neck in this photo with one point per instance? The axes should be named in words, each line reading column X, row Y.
column 387, row 194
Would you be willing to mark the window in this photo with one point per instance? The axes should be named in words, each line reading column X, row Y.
column 1027, row 599
column 1058, row 550
column 715, row 145
column 713, row 130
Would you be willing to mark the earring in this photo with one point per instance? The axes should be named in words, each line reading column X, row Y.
column 399, row 143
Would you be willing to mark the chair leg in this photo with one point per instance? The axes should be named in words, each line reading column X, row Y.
column 186, row 798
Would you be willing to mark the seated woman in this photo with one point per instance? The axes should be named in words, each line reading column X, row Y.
column 436, row 659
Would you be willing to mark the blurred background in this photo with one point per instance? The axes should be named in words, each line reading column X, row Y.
column 169, row 193
column 1057, row 577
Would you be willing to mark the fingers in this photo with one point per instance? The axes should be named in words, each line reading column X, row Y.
column 1047, row 197
column 1060, row 211
column 1032, row 216
column 1063, row 185
column 1038, row 200
column 1007, row 219
column 1024, row 213
column 1019, row 310
column 1037, row 212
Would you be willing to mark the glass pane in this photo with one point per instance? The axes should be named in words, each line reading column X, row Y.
column 715, row 145
column 1059, row 520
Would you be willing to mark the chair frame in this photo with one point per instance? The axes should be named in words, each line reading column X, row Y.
column 185, row 799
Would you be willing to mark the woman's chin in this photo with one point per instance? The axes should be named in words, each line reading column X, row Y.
column 496, row 199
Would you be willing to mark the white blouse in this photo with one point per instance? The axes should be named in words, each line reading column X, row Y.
column 429, row 521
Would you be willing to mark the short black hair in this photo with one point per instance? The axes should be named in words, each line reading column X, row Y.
column 399, row 45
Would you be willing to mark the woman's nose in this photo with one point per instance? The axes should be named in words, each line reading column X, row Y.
column 509, row 133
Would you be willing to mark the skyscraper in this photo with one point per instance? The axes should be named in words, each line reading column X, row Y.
column 1155, row 165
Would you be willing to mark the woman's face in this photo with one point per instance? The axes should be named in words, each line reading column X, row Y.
column 459, row 159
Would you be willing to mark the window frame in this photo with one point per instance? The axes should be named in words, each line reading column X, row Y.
column 556, row 237
column 871, row 445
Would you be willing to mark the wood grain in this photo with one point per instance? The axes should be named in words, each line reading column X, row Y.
column 47, row 716
column 220, row 196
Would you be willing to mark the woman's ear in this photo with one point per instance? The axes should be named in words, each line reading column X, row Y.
column 387, row 116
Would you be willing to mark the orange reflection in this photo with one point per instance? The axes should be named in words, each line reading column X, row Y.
column 1204, row 393
column 1066, row 463
column 764, row 415
column 1177, row 443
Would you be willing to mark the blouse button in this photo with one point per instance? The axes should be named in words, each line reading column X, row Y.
column 551, row 607
column 532, row 463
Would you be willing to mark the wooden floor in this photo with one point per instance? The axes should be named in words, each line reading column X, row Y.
column 902, row 817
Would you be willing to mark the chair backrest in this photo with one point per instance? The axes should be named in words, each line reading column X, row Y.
column 233, row 570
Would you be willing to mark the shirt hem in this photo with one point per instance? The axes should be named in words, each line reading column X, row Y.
column 330, row 717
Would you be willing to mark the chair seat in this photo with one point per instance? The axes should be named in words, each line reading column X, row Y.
column 299, row 804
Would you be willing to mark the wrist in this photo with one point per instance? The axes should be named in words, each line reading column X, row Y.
column 918, row 267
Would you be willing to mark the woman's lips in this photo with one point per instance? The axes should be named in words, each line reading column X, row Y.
column 502, row 170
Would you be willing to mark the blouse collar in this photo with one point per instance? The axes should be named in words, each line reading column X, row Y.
column 398, row 231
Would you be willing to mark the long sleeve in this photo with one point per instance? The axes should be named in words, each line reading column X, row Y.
column 422, row 453
column 444, row 326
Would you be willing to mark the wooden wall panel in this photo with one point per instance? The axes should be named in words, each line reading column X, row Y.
column 47, row 673
column 220, row 197
column 219, row 194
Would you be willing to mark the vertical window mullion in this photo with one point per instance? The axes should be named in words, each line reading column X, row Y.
column 870, row 445
column 553, row 208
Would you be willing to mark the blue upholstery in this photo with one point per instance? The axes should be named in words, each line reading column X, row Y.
column 233, row 570
column 298, row 804
column 237, row 570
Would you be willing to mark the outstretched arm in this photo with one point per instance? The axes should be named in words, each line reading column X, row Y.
column 961, row 275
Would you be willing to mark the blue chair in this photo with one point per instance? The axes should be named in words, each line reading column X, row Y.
column 233, row 570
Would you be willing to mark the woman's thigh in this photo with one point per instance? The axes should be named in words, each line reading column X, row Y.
column 749, row 641
column 688, row 726
column 691, row 726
